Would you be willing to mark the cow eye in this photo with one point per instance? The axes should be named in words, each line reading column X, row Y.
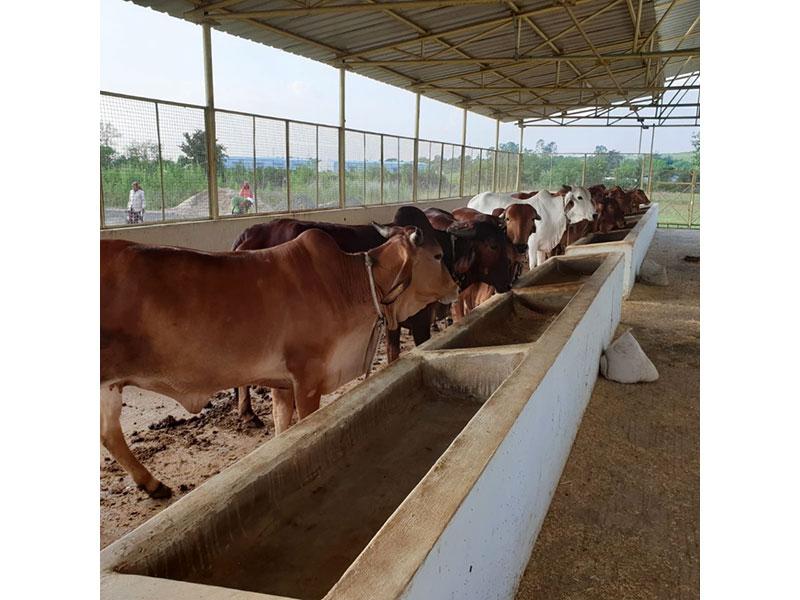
column 437, row 256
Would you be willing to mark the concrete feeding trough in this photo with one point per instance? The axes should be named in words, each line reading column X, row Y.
column 430, row 479
column 633, row 243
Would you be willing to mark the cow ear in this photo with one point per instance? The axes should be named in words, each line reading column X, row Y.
column 385, row 230
column 499, row 212
column 568, row 206
column 416, row 237
column 536, row 216
column 464, row 263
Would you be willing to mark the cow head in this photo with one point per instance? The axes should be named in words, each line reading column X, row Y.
column 520, row 222
column 578, row 205
column 597, row 192
column 638, row 198
column 409, row 272
column 482, row 254
column 609, row 216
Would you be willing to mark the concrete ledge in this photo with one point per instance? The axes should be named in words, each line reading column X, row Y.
column 633, row 243
column 429, row 480
column 219, row 235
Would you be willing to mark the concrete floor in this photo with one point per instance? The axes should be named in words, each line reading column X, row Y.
column 624, row 521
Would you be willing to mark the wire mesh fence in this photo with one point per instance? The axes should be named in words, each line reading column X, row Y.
column 267, row 165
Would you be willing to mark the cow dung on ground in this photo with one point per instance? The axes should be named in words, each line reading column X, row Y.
column 624, row 361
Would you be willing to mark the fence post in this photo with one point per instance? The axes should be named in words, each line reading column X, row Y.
column 691, row 199
column 463, row 152
column 550, row 177
column 414, row 176
column 288, row 170
column 495, row 178
column 381, row 168
column 342, row 183
column 441, row 166
column 211, row 126
column 316, row 159
column 160, row 165
column 518, row 182
column 255, row 168
column 583, row 171
column 650, row 176
column 102, row 203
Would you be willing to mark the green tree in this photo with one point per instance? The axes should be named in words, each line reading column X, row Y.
column 108, row 133
column 545, row 148
column 696, row 152
column 194, row 149
column 509, row 147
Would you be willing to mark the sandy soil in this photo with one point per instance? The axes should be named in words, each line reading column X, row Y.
column 182, row 449
column 624, row 521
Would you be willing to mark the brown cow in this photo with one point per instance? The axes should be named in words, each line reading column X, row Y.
column 165, row 323
column 519, row 221
column 630, row 200
column 610, row 215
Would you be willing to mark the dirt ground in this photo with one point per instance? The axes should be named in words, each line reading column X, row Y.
column 624, row 521
column 183, row 450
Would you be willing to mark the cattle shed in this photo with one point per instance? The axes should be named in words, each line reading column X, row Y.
column 491, row 461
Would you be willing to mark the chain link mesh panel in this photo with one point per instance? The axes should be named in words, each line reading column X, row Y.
column 355, row 180
column 129, row 152
column 235, row 136
column 303, row 166
column 328, row 166
column 472, row 171
column 391, row 170
column 372, row 168
column 406, row 164
column 271, row 174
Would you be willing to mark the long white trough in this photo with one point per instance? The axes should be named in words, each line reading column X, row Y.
column 633, row 243
column 429, row 480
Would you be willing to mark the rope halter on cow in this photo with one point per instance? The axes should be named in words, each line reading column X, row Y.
column 380, row 323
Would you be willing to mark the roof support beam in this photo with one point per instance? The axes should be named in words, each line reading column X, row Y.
column 461, row 29
column 507, row 61
column 337, row 9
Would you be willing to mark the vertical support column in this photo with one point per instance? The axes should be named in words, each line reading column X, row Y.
column 342, row 186
column 414, row 176
column 160, row 164
column 496, row 154
column 211, row 124
column 650, row 169
column 550, row 176
column 441, row 168
column 463, row 153
column 316, row 159
column 518, row 182
column 691, row 199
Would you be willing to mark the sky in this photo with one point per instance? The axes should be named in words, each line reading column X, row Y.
column 147, row 53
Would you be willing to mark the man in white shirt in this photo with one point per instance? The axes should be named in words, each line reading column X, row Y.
column 136, row 204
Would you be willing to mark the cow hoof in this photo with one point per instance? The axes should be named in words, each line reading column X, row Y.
column 161, row 492
column 252, row 422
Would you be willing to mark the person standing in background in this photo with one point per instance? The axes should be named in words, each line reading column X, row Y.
column 136, row 204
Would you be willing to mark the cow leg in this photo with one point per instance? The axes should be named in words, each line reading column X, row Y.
column 392, row 344
column 247, row 416
column 113, row 439
column 282, row 408
column 307, row 401
column 421, row 325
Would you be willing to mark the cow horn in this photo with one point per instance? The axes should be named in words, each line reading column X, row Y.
column 416, row 237
column 385, row 230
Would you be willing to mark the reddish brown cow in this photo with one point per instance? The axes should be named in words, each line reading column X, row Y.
column 630, row 201
column 609, row 215
column 166, row 324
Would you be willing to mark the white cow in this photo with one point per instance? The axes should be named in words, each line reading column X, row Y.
column 556, row 211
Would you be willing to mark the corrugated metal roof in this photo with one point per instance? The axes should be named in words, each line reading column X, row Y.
column 470, row 53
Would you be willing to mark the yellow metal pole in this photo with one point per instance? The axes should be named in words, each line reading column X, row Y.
column 496, row 154
column 650, row 177
column 691, row 198
column 211, row 125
